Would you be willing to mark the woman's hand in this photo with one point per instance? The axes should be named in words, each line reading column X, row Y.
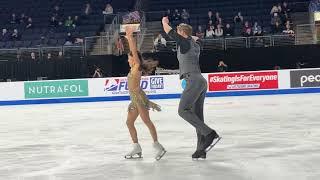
column 129, row 31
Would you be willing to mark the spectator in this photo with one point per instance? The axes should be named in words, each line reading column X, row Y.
column 176, row 17
column 49, row 56
column 228, row 31
column 60, row 55
column 23, row 18
column 257, row 30
column 300, row 65
column 210, row 33
column 199, row 32
column 68, row 22
column 245, row 28
column 97, row 73
column 53, row 22
column 57, row 12
column 238, row 18
column 169, row 14
column 210, row 16
column 275, row 19
column 29, row 23
column 274, row 10
column 248, row 32
column 15, row 35
column 185, row 16
column 219, row 31
column 108, row 10
column 69, row 39
column 119, row 46
column 219, row 22
column 87, row 10
column 222, row 67
column 216, row 19
column 276, row 29
column 288, row 29
column 76, row 21
column 33, row 56
column 14, row 19
column 160, row 42
column 5, row 35
column 210, row 23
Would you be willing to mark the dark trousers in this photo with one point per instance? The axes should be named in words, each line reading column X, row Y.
column 191, row 104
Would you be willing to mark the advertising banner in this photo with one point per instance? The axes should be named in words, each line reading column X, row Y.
column 305, row 78
column 243, row 81
column 53, row 89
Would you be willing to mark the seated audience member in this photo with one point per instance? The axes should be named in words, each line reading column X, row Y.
column 228, row 31
column 159, row 42
column 222, row 67
column 219, row 31
column 210, row 33
column 200, row 32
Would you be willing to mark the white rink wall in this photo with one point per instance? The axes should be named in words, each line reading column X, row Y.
column 160, row 87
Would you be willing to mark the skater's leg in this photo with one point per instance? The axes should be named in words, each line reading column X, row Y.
column 144, row 114
column 132, row 117
column 190, row 95
column 198, row 109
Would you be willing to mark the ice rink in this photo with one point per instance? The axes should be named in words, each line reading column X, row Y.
column 263, row 138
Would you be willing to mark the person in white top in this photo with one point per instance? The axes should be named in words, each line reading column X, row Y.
column 160, row 42
column 210, row 32
column 219, row 31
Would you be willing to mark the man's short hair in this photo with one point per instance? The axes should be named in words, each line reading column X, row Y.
column 185, row 28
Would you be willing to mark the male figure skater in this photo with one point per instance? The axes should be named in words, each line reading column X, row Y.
column 192, row 99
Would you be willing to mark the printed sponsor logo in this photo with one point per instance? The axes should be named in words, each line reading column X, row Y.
column 120, row 85
column 305, row 78
column 51, row 89
column 243, row 81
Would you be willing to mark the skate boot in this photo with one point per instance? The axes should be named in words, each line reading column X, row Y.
column 210, row 141
column 135, row 153
column 199, row 154
column 160, row 151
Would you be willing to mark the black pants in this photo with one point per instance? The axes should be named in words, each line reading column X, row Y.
column 191, row 104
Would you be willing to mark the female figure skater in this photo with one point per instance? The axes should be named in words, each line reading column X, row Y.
column 140, row 103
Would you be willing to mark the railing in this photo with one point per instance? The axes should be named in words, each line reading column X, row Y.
column 98, row 45
column 41, row 53
column 236, row 42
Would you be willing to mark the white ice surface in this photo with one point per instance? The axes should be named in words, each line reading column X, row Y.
column 264, row 138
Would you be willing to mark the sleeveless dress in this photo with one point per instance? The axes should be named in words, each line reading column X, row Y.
column 138, row 97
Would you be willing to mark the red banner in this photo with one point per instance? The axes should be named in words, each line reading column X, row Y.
column 243, row 81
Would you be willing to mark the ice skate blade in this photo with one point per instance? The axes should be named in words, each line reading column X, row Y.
column 199, row 159
column 215, row 141
column 136, row 156
column 161, row 155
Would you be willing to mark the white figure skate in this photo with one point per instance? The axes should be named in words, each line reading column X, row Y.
column 136, row 152
column 160, row 151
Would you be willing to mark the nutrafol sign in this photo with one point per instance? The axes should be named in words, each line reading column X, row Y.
column 52, row 89
column 305, row 78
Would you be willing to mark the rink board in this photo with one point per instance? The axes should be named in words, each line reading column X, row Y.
column 160, row 87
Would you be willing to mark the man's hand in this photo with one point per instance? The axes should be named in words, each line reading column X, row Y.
column 165, row 20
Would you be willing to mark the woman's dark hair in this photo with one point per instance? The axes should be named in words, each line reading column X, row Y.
column 146, row 66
